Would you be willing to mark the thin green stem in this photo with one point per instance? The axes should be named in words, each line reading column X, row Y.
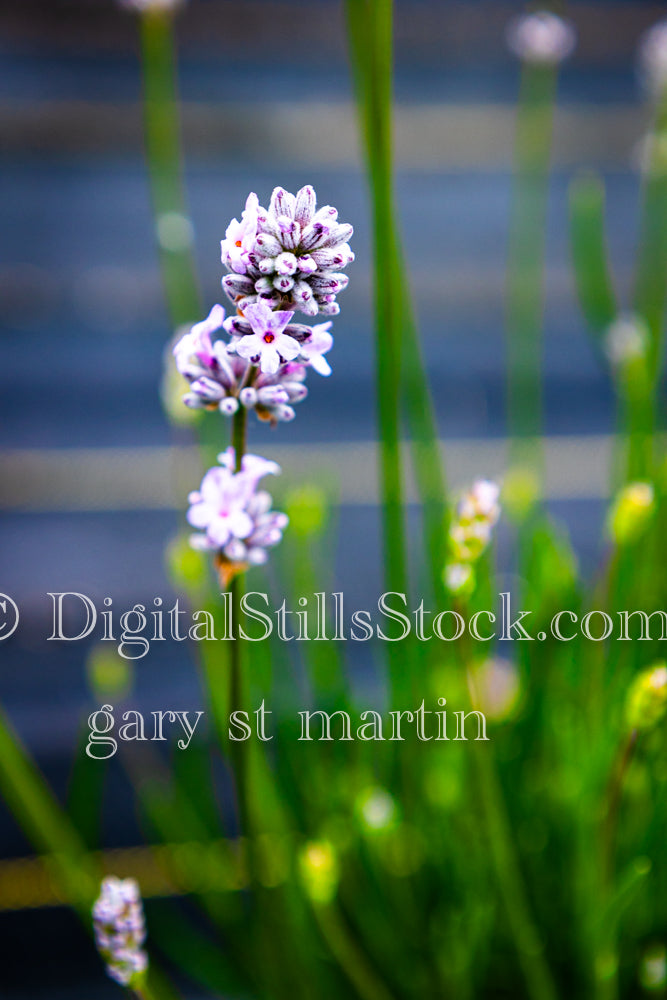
column 165, row 168
column 238, row 749
column 239, row 432
column 370, row 30
column 429, row 466
column 650, row 301
column 154, row 986
column 527, row 939
column 651, row 288
column 348, row 954
column 387, row 303
column 510, row 879
column 45, row 823
column 526, row 265
column 614, row 796
column 606, row 948
column 425, row 445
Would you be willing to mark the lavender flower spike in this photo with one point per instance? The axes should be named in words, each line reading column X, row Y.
column 118, row 922
column 237, row 521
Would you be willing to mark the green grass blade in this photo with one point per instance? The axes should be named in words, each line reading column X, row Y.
column 592, row 270
column 44, row 821
column 525, row 270
column 165, row 169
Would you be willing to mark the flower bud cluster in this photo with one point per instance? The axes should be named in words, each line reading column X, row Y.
column 289, row 255
column 470, row 532
column 118, row 923
column 647, row 698
column 222, row 378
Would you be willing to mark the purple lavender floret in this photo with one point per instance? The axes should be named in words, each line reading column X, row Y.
column 118, row 923
column 268, row 345
column 234, row 516
column 224, row 376
column 289, row 255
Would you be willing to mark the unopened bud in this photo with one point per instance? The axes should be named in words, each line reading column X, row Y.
column 319, row 870
column 631, row 512
column 647, row 698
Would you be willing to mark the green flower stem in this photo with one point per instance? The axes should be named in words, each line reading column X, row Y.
column 525, row 277
column 650, row 301
column 370, row 25
column 239, row 434
column 638, row 416
column 154, row 986
column 590, row 255
column 606, row 957
column 650, row 285
column 165, row 167
column 272, row 915
column 505, row 861
column 427, row 458
column 348, row 954
column 238, row 750
column 510, row 880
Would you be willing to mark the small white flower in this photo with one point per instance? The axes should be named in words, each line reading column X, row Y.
column 496, row 687
column 457, row 577
column 219, row 506
column 313, row 348
column 542, row 37
column 481, row 502
column 268, row 345
column 626, row 340
column 653, row 58
column 240, row 238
